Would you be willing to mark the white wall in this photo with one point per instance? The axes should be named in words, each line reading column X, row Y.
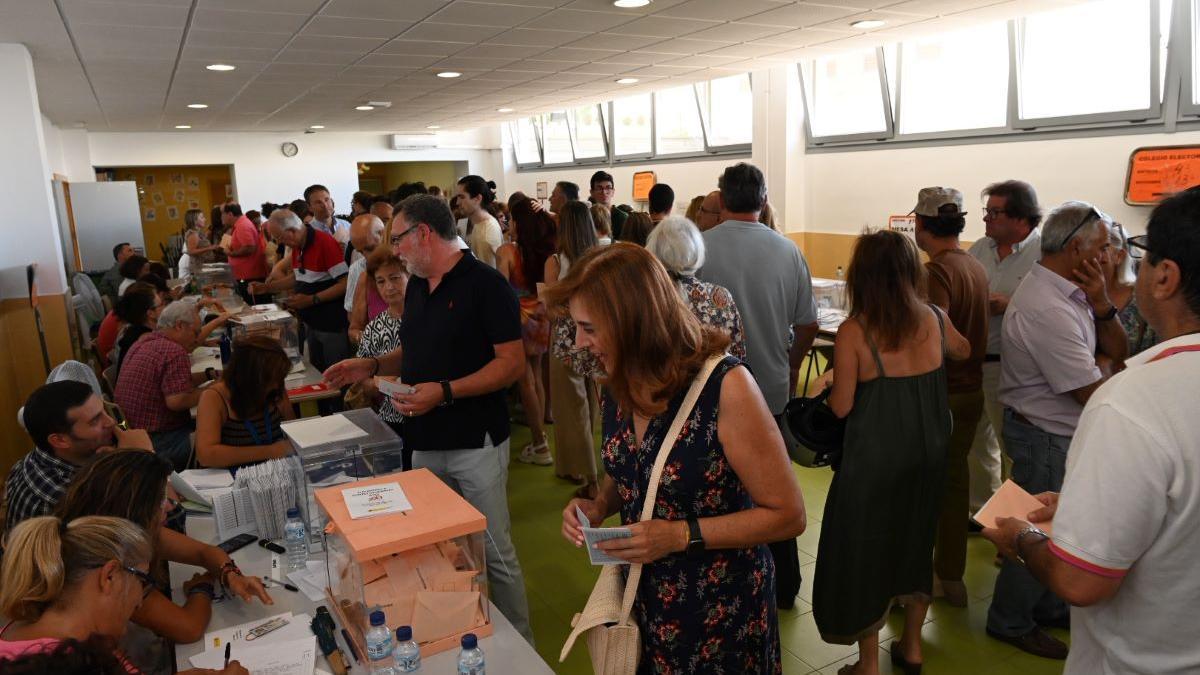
column 848, row 190
column 261, row 172
column 29, row 227
column 67, row 151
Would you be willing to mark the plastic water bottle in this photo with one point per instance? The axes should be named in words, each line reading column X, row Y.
column 841, row 273
column 406, row 654
column 296, row 540
column 379, row 645
column 470, row 659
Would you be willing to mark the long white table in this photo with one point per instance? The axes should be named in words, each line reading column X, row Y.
column 505, row 651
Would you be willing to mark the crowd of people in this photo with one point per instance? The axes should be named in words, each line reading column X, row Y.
column 1056, row 351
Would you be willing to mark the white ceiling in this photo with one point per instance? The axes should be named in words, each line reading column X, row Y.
column 135, row 65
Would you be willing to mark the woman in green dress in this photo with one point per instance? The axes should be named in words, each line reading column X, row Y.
column 881, row 515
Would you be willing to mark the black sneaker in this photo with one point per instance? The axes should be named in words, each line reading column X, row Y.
column 1036, row 642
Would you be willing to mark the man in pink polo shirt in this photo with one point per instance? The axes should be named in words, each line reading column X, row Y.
column 247, row 252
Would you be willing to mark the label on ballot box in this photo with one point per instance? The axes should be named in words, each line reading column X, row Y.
column 376, row 500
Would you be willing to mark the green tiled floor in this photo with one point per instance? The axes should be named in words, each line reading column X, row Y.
column 558, row 579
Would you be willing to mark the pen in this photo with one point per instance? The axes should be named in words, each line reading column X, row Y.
column 350, row 645
column 269, row 580
column 228, row 645
column 271, row 546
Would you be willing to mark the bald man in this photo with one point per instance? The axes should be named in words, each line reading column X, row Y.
column 366, row 233
column 710, row 211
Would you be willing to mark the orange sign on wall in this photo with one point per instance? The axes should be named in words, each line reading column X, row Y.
column 642, row 182
column 1157, row 173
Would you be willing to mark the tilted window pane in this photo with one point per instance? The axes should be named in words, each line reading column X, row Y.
column 556, row 139
column 631, row 117
column 677, row 121
column 587, row 125
column 844, row 94
column 955, row 80
column 728, row 107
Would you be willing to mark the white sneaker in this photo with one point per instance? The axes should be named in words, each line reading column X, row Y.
column 536, row 454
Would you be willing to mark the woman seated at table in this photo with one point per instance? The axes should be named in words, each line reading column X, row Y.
column 74, row 583
column 138, row 309
column 238, row 418
column 131, row 484
column 389, row 275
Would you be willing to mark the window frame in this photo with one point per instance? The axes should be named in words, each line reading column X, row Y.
column 889, row 130
column 725, row 148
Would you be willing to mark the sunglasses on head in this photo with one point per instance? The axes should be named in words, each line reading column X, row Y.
column 1092, row 213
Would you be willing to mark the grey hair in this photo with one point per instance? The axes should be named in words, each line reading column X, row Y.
column 177, row 313
column 1060, row 226
column 677, row 244
column 1116, row 237
column 286, row 219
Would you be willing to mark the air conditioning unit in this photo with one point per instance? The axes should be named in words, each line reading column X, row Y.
column 414, row 141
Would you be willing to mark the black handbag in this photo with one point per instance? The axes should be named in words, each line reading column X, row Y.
column 817, row 433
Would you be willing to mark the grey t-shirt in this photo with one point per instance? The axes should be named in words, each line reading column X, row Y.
column 771, row 284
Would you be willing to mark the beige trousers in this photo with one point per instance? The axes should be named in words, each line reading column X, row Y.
column 576, row 415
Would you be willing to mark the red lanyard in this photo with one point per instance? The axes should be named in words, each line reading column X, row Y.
column 1175, row 350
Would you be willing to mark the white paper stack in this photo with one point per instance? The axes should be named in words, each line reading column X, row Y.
column 312, row 431
column 272, row 491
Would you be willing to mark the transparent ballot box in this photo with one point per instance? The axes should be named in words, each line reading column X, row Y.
column 423, row 567
column 338, row 449
column 273, row 322
column 216, row 280
column 829, row 293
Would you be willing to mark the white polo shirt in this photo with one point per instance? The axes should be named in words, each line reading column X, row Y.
column 1005, row 275
column 1130, row 507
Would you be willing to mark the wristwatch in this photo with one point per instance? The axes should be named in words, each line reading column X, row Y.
column 1108, row 316
column 447, row 393
column 1028, row 529
column 695, row 545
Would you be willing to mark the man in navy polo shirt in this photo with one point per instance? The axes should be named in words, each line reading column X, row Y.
column 460, row 350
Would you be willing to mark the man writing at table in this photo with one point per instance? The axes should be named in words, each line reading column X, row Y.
column 460, row 349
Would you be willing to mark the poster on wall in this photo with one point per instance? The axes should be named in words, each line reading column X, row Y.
column 151, row 214
column 172, row 213
column 642, row 182
column 149, row 179
column 193, row 183
column 228, row 191
column 1157, row 173
column 904, row 224
column 193, row 204
column 179, row 196
column 158, row 198
column 542, row 186
column 176, row 178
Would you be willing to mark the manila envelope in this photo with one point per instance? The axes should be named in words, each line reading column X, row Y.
column 405, row 584
column 459, row 580
column 378, row 592
column 372, row 570
column 452, row 552
column 440, row 615
column 429, row 562
column 1010, row 501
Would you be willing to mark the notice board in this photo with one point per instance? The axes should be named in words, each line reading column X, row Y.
column 1157, row 173
column 642, row 182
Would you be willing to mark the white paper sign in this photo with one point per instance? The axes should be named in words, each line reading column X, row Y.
column 376, row 500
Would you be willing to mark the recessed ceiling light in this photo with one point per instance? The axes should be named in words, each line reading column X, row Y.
column 317, row 126
column 364, row 107
column 434, row 126
column 220, row 66
column 504, row 110
column 449, row 74
column 197, row 106
column 867, row 24
column 627, row 80
column 183, row 126
column 630, row 3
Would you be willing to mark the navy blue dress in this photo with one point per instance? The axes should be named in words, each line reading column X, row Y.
column 714, row 613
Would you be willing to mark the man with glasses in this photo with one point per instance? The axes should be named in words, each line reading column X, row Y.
column 460, row 350
column 1010, row 249
column 1127, row 525
column 603, row 190
column 1060, row 342
column 710, row 211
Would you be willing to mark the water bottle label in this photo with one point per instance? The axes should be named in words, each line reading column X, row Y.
column 470, row 670
column 378, row 651
column 408, row 664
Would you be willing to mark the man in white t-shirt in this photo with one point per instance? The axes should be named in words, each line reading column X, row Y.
column 484, row 236
column 321, row 205
column 1127, row 524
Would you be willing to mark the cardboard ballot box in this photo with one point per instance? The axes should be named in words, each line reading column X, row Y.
column 423, row 567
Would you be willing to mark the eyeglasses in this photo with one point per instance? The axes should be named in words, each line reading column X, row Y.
column 709, row 211
column 1135, row 246
column 1092, row 213
column 603, row 188
column 144, row 578
column 992, row 213
column 397, row 238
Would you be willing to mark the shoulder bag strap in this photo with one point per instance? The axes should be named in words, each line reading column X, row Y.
column 660, row 460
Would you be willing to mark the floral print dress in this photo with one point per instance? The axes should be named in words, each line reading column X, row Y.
column 714, row 613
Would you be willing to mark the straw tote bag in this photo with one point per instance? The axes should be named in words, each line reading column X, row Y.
column 614, row 641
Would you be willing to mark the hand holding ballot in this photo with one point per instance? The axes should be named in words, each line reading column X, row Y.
column 1010, row 511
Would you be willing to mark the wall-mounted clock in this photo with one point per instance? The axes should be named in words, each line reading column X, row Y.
column 289, row 149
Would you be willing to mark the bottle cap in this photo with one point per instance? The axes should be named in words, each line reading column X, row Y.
column 404, row 633
column 377, row 618
column 292, row 512
column 469, row 641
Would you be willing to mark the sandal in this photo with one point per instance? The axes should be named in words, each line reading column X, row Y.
column 898, row 659
column 536, row 453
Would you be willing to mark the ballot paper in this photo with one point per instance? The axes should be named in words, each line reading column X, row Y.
column 595, row 535
column 375, row 500
column 311, row 579
column 313, row 431
column 392, row 388
column 293, row 657
column 297, row 627
column 1011, row 501
column 234, row 512
column 196, row 499
column 273, row 491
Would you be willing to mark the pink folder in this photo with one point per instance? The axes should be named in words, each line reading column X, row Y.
column 1010, row 501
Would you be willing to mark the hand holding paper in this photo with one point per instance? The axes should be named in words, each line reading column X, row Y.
column 1012, row 501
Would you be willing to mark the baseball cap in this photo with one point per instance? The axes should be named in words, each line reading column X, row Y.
column 930, row 201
